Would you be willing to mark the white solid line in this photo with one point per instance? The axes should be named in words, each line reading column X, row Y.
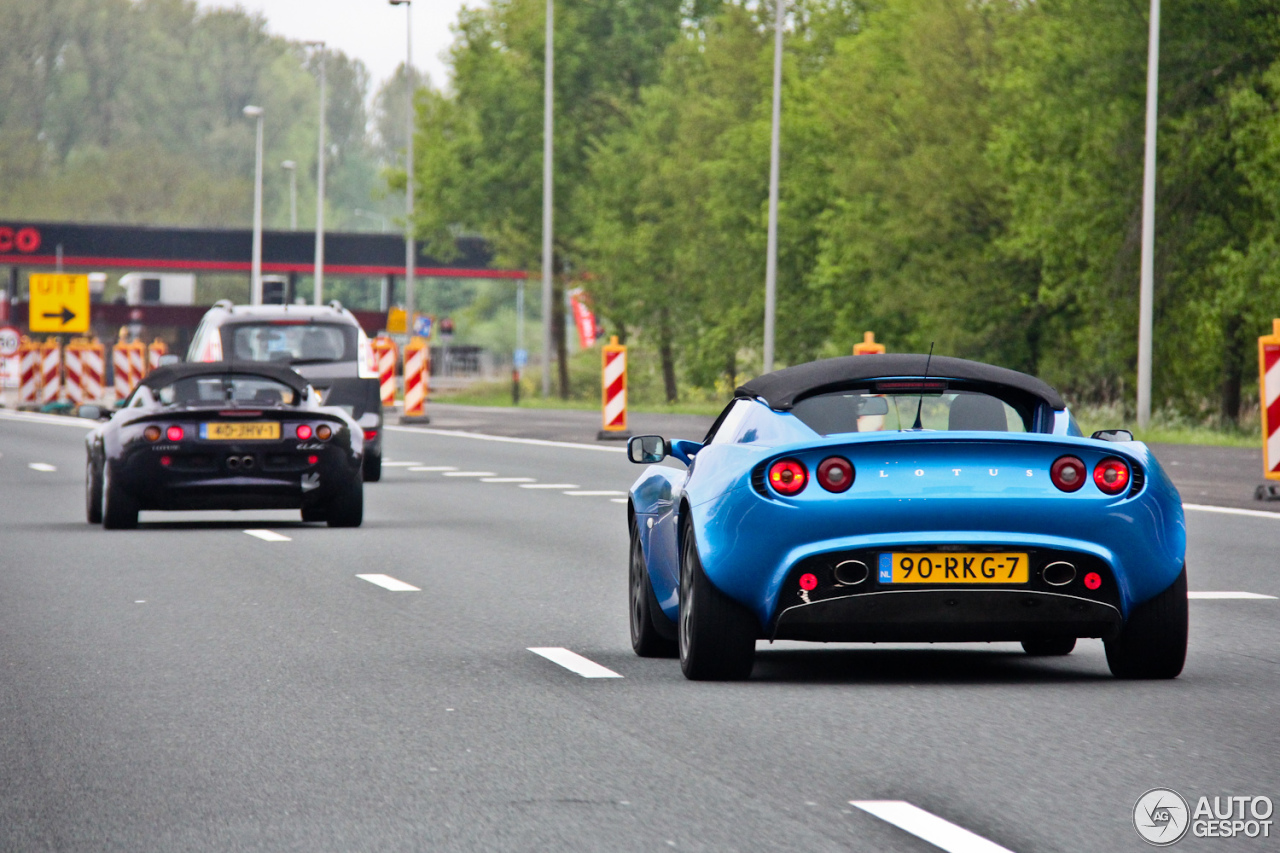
column 507, row 480
column 1214, row 596
column 42, row 466
column 575, row 663
column 433, row 468
column 1230, row 510
column 268, row 536
column 386, row 464
column 468, row 473
column 933, row 829
column 595, row 494
column 57, row 420
column 388, row 582
column 480, row 436
column 549, row 486
column 618, row 500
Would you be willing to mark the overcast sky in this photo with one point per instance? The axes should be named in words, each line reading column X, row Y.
column 370, row 30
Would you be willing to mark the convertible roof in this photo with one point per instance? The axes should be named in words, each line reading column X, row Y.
column 162, row 376
column 783, row 388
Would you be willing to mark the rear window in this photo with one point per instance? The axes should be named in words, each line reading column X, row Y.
column 866, row 411
column 218, row 390
column 290, row 343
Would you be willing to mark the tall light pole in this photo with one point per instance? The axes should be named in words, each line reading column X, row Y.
column 255, row 275
column 292, row 168
column 1147, row 275
column 409, row 253
column 320, row 160
column 548, row 195
column 771, row 251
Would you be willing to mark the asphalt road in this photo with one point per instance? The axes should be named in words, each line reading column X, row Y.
column 188, row 686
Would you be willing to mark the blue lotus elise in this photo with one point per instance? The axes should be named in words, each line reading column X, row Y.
column 898, row 498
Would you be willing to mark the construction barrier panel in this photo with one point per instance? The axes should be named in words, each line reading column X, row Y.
column 613, row 390
column 50, row 371
column 417, row 377
column 1269, row 381
column 127, row 361
column 28, row 373
column 138, row 361
column 384, row 358
column 82, row 365
column 868, row 345
column 157, row 349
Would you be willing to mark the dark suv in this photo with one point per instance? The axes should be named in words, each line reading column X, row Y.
column 323, row 343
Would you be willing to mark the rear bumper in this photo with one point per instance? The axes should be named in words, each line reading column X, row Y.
column 947, row 615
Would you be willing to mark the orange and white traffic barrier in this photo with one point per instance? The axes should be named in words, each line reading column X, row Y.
column 1269, row 381
column 82, row 371
column 384, row 358
column 127, row 360
column 613, row 387
column 157, row 349
column 137, row 361
column 417, row 379
column 72, row 389
column 28, row 372
column 93, row 366
column 50, row 371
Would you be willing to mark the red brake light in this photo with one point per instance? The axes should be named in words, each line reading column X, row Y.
column 174, row 433
column 1112, row 475
column 788, row 476
column 166, row 461
column 311, row 460
column 835, row 474
column 808, row 582
column 304, row 432
column 1068, row 473
column 370, row 434
column 1093, row 580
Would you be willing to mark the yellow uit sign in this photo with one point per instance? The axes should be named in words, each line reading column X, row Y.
column 59, row 303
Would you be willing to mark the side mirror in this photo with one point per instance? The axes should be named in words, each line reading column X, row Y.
column 1113, row 435
column 646, row 449
column 89, row 412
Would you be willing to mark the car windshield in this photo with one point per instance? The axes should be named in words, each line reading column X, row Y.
column 291, row 343
column 865, row 411
column 236, row 389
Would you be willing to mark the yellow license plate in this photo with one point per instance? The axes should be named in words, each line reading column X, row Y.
column 252, row 431
column 957, row 567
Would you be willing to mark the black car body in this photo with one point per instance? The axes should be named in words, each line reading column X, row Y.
column 225, row 435
column 323, row 343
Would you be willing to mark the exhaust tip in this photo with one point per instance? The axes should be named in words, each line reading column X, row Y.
column 1059, row 574
column 247, row 462
column 851, row 572
column 233, row 462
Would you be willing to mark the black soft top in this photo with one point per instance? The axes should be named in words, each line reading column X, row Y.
column 171, row 373
column 781, row 389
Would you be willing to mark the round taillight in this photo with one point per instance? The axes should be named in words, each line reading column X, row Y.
column 1111, row 475
column 835, row 474
column 323, row 432
column 808, row 582
column 151, row 433
column 174, row 433
column 166, row 461
column 311, row 460
column 304, row 432
column 1093, row 580
column 1068, row 473
column 788, row 476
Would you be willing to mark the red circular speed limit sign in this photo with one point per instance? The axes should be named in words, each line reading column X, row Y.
column 10, row 340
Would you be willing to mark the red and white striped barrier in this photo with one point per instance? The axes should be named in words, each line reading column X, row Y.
column 28, row 373
column 120, row 371
column 50, row 371
column 137, row 362
column 417, row 378
column 384, row 356
column 1269, row 378
column 82, row 369
column 155, row 352
column 93, row 365
column 614, row 390
column 73, row 375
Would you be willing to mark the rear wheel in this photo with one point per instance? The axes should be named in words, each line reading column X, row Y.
column 1049, row 646
column 645, row 639
column 119, row 509
column 372, row 467
column 717, row 635
column 1153, row 641
column 92, row 492
column 347, row 508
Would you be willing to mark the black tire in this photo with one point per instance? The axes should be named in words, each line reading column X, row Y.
column 1153, row 642
column 372, row 467
column 717, row 635
column 347, row 508
column 1049, row 646
column 646, row 640
column 119, row 509
column 314, row 513
column 92, row 492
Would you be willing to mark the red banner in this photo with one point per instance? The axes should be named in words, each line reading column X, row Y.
column 583, row 318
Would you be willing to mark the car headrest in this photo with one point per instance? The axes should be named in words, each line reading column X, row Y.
column 977, row 412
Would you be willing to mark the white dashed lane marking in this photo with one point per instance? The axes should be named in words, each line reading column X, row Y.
column 433, row 468
column 386, row 464
column 507, row 480
column 468, row 473
column 1230, row 510
column 561, row 486
column 575, row 663
column 1219, row 596
column 388, row 582
column 42, row 466
column 268, row 536
column 933, row 829
column 604, row 493
column 618, row 500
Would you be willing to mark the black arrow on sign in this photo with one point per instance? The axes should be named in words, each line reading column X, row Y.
column 66, row 314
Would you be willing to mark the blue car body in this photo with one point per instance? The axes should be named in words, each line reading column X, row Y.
column 913, row 490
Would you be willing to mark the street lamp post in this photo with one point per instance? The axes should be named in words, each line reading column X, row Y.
column 409, row 253
column 292, row 168
column 255, row 275
column 771, row 251
column 548, row 106
column 320, row 161
column 1146, row 276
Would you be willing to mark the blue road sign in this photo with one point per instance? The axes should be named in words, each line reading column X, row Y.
column 422, row 326
column 521, row 357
